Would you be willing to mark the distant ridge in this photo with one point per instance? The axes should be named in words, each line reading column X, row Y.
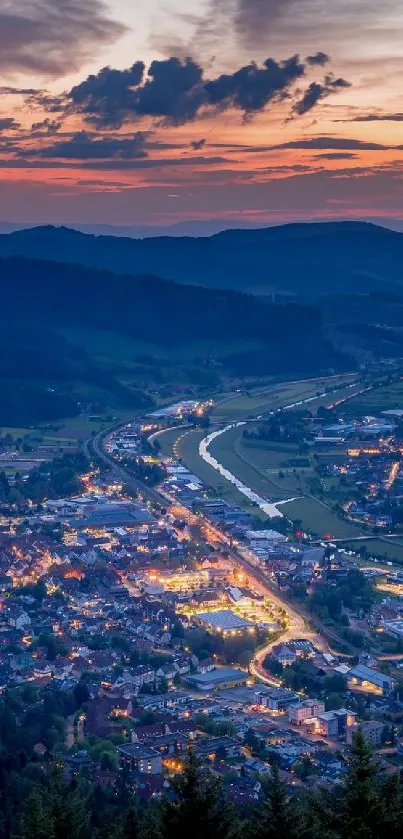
column 306, row 259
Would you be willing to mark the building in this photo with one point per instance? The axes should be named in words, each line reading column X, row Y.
column 218, row 747
column 336, row 723
column 372, row 731
column 224, row 621
column 284, row 654
column 220, row 679
column 274, row 699
column 139, row 758
column 369, row 681
column 299, row 713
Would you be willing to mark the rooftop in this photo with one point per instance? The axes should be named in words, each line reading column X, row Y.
column 223, row 620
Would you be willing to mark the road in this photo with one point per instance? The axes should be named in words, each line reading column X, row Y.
column 298, row 626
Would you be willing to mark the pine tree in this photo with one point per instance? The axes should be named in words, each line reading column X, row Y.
column 391, row 795
column 362, row 807
column 131, row 827
column 36, row 821
column 196, row 807
column 276, row 818
column 68, row 811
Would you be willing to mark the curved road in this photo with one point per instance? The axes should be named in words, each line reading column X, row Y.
column 298, row 626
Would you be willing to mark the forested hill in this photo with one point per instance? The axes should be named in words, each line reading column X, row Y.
column 270, row 338
column 309, row 259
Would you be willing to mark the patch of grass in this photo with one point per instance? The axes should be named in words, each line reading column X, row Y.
column 263, row 400
column 225, row 449
column 188, row 449
column 319, row 519
column 390, row 550
column 383, row 398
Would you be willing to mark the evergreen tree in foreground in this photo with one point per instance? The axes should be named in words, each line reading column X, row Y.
column 195, row 808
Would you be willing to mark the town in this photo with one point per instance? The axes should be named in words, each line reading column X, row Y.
column 143, row 617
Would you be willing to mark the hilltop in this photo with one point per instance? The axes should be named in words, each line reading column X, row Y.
column 306, row 260
column 164, row 331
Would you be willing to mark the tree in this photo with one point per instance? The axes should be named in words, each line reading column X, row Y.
column 275, row 818
column 197, row 808
column 36, row 822
column 362, row 807
column 131, row 826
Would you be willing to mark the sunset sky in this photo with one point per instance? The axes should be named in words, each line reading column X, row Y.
column 154, row 112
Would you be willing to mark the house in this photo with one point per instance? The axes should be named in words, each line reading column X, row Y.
column 283, row 654
column 143, row 675
column 168, row 672
column 20, row 620
column 138, row 757
column 205, row 665
column 103, row 715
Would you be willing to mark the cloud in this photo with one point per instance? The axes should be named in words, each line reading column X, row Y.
column 8, row 124
column 251, row 88
column 331, row 143
column 253, row 21
column 17, row 91
column 46, row 126
column 53, row 37
column 337, row 155
column 317, row 91
column 175, row 91
column 198, row 144
column 108, row 97
column 83, row 146
column 375, row 118
column 319, row 59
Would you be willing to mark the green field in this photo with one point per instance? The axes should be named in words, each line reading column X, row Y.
column 390, row 550
column 317, row 518
column 385, row 398
column 226, row 450
column 261, row 401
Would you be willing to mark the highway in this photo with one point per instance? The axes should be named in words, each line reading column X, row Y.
column 297, row 626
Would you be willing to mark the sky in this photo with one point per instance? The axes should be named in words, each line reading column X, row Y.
column 137, row 113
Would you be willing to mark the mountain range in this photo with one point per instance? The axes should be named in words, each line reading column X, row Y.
column 305, row 260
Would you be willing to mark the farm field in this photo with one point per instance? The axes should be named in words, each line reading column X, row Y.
column 188, row 449
column 385, row 398
column 389, row 550
column 274, row 397
column 319, row 519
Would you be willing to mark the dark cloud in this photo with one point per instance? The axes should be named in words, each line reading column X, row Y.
column 46, row 126
column 43, row 101
column 8, row 123
column 108, row 97
column 336, row 155
column 17, row 91
column 197, row 144
column 376, row 118
column 174, row 91
column 332, row 143
column 53, row 37
column 318, row 91
column 319, row 59
column 251, row 88
column 83, row 146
